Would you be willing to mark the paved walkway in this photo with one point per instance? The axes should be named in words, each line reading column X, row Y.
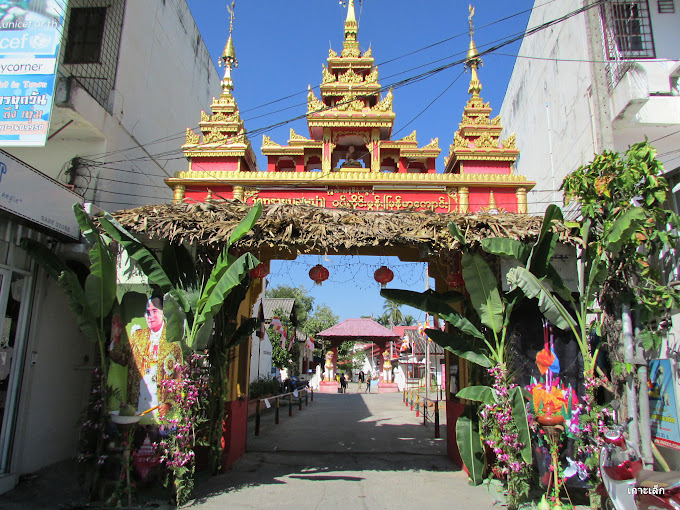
column 346, row 452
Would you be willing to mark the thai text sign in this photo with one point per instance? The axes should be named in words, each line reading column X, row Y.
column 663, row 405
column 32, row 195
column 29, row 49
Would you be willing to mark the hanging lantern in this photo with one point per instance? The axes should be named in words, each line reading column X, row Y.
column 260, row 271
column 383, row 276
column 319, row 274
column 455, row 280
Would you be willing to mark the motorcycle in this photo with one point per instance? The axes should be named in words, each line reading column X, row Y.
column 626, row 485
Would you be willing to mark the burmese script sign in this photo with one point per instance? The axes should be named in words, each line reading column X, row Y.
column 365, row 199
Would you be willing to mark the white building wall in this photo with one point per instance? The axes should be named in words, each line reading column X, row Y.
column 164, row 79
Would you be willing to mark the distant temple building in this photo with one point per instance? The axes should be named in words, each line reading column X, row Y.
column 348, row 159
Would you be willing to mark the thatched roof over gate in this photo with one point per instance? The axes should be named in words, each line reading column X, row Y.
column 305, row 229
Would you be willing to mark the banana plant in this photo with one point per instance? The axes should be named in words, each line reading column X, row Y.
column 556, row 302
column 92, row 302
column 191, row 306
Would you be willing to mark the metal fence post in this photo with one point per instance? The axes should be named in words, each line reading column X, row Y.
column 417, row 405
column 299, row 402
column 312, row 395
column 257, row 418
column 276, row 413
column 436, row 419
column 290, row 404
column 307, row 397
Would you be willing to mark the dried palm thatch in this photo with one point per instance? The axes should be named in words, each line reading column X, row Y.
column 309, row 229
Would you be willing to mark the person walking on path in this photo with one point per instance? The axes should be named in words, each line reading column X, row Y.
column 362, row 379
column 343, row 383
column 368, row 383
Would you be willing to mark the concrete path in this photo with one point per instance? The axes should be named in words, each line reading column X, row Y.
column 345, row 452
column 351, row 451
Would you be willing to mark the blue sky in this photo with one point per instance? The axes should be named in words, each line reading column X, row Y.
column 281, row 46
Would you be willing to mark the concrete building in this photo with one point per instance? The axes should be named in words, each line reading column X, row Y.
column 131, row 76
column 604, row 79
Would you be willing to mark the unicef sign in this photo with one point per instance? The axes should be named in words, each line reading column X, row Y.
column 29, row 47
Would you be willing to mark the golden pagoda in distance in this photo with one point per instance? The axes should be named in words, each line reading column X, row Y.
column 348, row 159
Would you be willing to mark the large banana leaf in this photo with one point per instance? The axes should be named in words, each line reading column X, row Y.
column 457, row 234
column 230, row 278
column 246, row 224
column 482, row 286
column 550, row 306
column 179, row 266
column 147, row 261
column 519, row 415
column 44, row 257
column 461, row 346
column 77, row 302
column 470, row 446
column 202, row 338
column 623, row 229
column 175, row 319
column 505, row 247
column 431, row 302
column 100, row 285
column 484, row 394
column 543, row 250
column 427, row 301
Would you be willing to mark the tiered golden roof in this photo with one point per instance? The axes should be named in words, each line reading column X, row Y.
column 478, row 136
column 223, row 132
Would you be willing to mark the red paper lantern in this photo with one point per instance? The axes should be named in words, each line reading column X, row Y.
column 260, row 271
column 383, row 276
column 455, row 280
column 319, row 274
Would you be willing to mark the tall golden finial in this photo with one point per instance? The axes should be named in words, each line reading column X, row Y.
column 473, row 61
column 228, row 58
column 350, row 46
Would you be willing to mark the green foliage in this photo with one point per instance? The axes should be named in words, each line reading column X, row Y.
column 304, row 303
column 393, row 312
column 264, row 386
column 470, row 446
column 623, row 196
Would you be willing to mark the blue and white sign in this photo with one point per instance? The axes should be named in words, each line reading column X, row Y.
column 662, row 404
column 30, row 36
column 28, row 193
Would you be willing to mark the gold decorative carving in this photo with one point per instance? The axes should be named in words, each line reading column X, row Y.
column 509, row 142
column 459, row 141
column 205, row 117
column 349, row 102
column 385, row 104
column 482, row 119
column 467, row 120
column 410, row 138
column 486, row 140
column 313, row 103
column 350, row 77
column 295, row 136
column 328, row 77
column 496, row 121
column 350, row 53
column 178, row 193
column 192, row 138
column 249, row 192
column 434, row 144
column 214, row 136
column 368, row 53
column 372, row 77
column 331, row 53
column 268, row 142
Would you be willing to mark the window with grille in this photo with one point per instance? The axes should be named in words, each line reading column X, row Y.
column 632, row 28
column 85, row 35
